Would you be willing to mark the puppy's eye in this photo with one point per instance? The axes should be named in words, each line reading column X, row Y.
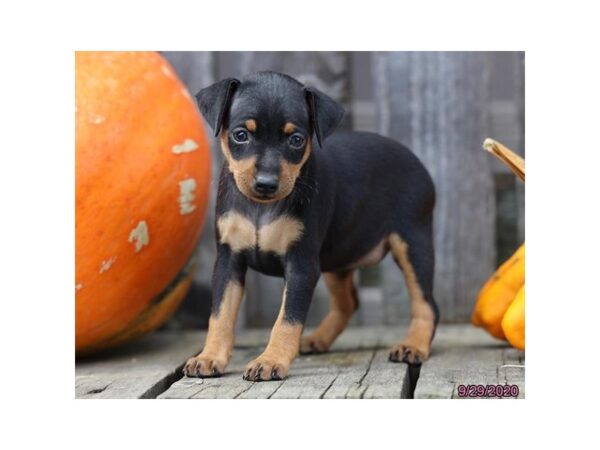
column 296, row 140
column 240, row 136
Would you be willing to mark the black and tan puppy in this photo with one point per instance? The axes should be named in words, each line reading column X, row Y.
column 295, row 201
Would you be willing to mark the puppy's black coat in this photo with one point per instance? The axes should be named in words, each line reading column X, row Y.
column 295, row 200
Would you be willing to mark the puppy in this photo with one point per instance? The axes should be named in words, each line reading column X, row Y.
column 296, row 200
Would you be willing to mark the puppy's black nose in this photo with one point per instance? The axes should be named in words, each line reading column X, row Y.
column 266, row 184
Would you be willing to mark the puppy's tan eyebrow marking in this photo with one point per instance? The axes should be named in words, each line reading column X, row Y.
column 250, row 125
column 289, row 128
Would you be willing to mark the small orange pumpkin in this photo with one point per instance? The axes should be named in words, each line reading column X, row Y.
column 142, row 175
column 513, row 322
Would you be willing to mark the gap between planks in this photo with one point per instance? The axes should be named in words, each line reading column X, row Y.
column 356, row 368
column 355, row 374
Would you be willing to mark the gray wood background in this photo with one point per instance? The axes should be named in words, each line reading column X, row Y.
column 442, row 105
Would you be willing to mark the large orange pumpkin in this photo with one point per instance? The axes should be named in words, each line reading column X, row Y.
column 142, row 172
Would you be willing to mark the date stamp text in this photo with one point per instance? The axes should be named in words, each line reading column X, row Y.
column 488, row 390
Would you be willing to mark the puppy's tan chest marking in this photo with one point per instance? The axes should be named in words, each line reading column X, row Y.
column 278, row 235
column 236, row 231
column 240, row 233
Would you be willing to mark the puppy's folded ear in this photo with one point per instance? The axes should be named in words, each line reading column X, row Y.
column 214, row 101
column 325, row 113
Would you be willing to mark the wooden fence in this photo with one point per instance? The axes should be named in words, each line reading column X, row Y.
column 441, row 105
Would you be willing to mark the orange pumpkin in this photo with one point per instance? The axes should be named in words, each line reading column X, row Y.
column 142, row 171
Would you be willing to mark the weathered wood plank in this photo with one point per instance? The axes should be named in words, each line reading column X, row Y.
column 142, row 369
column 519, row 76
column 512, row 371
column 468, row 356
column 331, row 375
column 436, row 103
column 261, row 390
column 357, row 367
column 306, row 384
column 348, row 380
column 338, row 374
column 386, row 379
column 230, row 385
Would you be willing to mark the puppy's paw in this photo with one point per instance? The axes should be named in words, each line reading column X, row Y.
column 266, row 368
column 411, row 354
column 313, row 344
column 203, row 366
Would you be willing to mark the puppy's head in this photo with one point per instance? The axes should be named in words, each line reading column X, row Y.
column 266, row 122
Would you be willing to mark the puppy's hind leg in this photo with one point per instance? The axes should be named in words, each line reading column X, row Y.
column 416, row 259
column 344, row 301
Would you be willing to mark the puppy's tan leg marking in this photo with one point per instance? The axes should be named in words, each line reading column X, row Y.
column 219, row 341
column 344, row 301
column 416, row 345
column 274, row 363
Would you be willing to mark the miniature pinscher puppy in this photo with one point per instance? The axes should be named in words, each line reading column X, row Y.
column 296, row 200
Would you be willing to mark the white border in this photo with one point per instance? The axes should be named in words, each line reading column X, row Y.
column 36, row 165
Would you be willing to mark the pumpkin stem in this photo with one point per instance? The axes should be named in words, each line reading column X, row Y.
column 507, row 156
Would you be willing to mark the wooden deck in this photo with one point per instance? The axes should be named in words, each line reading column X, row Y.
column 357, row 367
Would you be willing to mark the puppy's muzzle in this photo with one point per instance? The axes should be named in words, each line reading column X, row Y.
column 265, row 185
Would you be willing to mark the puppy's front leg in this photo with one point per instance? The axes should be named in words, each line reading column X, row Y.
column 228, row 290
column 300, row 280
